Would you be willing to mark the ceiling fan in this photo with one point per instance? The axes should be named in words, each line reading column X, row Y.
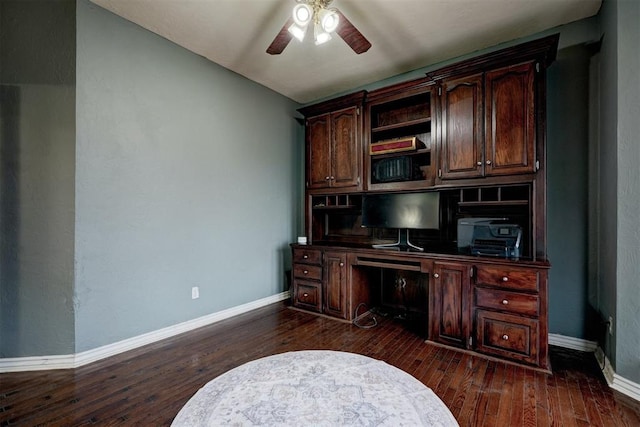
column 324, row 20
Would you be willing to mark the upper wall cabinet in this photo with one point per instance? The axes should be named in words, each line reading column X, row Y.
column 462, row 138
column 510, row 120
column 488, row 123
column 334, row 144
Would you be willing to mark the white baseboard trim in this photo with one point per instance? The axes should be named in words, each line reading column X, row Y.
column 572, row 343
column 615, row 381
column 68, row 361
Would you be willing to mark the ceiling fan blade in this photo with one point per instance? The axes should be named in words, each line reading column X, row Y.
column 351, row 35
column 281, row 40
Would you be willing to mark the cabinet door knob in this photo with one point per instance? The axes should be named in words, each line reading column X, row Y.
column 479, row 163
column 505, row 279
column 505, row 337
column 332, row 178
column 342, row 264
column 505, row 302
column 305, row 295
column 306, row 271
column 488, row 162
column 436, row 275
column 305, row 256
column 326, row 178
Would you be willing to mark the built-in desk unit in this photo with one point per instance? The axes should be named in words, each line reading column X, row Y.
column 474, row 133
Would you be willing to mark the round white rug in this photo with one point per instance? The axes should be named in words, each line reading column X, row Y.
column 315, row 387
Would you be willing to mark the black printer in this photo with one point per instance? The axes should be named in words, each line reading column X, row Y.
column 497, row 237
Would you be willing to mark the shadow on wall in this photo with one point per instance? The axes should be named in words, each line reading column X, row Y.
column 9, row 212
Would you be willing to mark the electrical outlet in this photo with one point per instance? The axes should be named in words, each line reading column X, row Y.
column 610, row 325
column 195, row 292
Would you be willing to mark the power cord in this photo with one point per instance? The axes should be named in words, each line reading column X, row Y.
column 356, row 318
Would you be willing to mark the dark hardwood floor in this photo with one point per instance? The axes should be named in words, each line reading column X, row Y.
column 149, row 385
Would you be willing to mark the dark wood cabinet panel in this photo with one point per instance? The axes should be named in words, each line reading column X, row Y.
column 462, row 124
column 319, row 162
column 511, row 277
column 307, row 295
column 514, row 302
column 509, row 336
column 346, row 155
column 334, row 150
column 449, row 300
column 335, row 285
column 510, row 126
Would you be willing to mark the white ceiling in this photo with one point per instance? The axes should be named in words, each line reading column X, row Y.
column 405, row 35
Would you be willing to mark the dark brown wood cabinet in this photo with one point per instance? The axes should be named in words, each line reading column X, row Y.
column 511, row 312
column 449, row 299
column 307, row 279
column 334, row 150
column 335, row 284
column 510, row 120
column 488, row 123
column 462, row 126
column 473, row 131
column 334, row 144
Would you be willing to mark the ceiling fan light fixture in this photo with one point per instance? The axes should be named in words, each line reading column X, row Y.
column 302, row 14
column 320, row 35
column 329, row 19
column 297, row 31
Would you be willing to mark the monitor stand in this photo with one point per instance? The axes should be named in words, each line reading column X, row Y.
column 402, row 243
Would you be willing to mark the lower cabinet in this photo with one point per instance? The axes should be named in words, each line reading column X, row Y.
column 320, row 281
column 496, row 309
column 510, row 319
column 335, row 284
column 449, row 302
column 307, row 279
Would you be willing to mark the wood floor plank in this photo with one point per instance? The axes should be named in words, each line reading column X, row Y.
column 149, row 385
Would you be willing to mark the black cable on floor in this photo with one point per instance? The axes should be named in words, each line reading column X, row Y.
column 356, row 318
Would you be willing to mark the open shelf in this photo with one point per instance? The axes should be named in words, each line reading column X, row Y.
column 402, row 125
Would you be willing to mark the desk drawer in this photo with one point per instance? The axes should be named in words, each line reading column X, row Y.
column 508, row 336
column 305, row 271
column 513, row 302
column 307, row 256
column 508, row 277
column 307, row 295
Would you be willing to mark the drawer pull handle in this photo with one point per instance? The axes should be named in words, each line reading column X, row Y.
column 505, row 279
column 306, row 271
column 505, row 337
column 305, row 256
column 305, row 295
column 505, row 302
column 435, row 276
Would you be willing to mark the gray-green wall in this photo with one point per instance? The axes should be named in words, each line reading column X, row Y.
column 619, row 183
column 37, row 139
column 185, row 176
column 132, row 170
